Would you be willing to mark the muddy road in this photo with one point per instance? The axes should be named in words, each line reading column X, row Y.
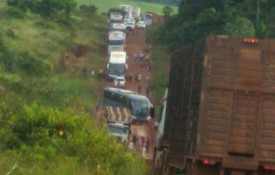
column 135, row 43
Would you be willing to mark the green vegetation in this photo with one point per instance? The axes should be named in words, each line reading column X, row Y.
column 160, row 77
column 41, row 140
column 48, row 95
column 197, row 19
column 166, row 2
column 105, row 5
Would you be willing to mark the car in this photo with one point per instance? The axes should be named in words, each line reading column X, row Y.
column 119, row 82
column 130, row 23
column 120, row 131
column 141, row 25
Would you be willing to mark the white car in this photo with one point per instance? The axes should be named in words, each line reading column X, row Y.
column 119, row 82
column 141, row 24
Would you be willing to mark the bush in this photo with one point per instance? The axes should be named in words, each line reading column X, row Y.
column 88, row 10
column 33, row 66
column 42, row 136
column 242, row 27
column 15, row 12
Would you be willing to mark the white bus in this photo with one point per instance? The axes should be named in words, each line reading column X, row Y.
column 116, row 41
column 117, row 65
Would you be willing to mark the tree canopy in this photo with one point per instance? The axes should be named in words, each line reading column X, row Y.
column 198, row 18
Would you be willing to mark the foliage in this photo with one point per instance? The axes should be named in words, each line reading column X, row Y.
column 43, row 135
column 15, row 12
column 104, row 5
column 88, row 10
column 33, row 66
column 46, row 8
column 165, row 2
column 240, row 27
column 197, row 19
column 167, row 11
column 161, row 77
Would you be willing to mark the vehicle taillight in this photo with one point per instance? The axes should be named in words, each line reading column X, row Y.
column 209, row 162
column 250, row 40
column 269, row 167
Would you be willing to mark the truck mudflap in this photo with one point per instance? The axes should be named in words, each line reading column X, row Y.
column 241, row 163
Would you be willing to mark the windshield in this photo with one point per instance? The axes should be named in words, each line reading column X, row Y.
column 140, row 108
column 118, row 130
column 117, row 69
column 116, row 42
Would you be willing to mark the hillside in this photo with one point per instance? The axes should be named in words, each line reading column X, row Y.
column 48, row 96
column 104, row 5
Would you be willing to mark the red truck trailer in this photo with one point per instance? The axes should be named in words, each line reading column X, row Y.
column 220, row 116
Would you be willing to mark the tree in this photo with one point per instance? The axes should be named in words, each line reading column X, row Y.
column 56, row 8
column 242, row 27
column 167, row 11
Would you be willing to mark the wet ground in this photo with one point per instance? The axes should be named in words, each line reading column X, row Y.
column 135, row 43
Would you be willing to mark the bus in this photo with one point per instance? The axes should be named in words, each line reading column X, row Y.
column 117, row 65
column 139, row 105
column 116, row 41
column 118, row 26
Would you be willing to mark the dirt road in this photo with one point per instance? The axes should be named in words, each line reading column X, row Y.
column 134, row 44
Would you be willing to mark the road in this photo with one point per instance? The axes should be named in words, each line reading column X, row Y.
column 134, row 44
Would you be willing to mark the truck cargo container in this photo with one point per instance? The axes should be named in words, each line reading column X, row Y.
column 220, row 116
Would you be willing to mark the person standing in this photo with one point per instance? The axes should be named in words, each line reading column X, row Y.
column 139, row 89
column 134, row 140
column 147, row 146
column 148, row 91
column 142, row 142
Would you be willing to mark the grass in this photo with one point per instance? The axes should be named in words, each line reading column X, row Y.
column 104, row 5
column 161, row 67
column 49, row 40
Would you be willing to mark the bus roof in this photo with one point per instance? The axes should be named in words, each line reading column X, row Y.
column 118, row 57
column 118, row 25
column 116, row 35
column 128, row 93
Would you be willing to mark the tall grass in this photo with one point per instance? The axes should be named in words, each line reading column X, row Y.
column 104, row 5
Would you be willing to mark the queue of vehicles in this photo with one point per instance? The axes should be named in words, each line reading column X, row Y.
column 118, row 102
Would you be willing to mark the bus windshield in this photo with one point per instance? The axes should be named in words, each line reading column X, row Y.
column 116, row 42
column 140, row 108
column 117, row 69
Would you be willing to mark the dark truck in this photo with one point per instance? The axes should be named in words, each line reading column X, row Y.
column 220, row 116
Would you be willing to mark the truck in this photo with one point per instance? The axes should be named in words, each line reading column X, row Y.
column 118, row 122
column 220, row 115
